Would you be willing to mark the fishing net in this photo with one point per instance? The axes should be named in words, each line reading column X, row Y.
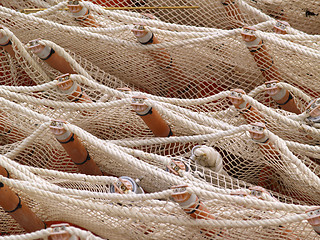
column 187, row 78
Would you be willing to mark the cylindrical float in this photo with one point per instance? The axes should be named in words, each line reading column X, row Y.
column 48, row 55
column 59, row 232
column 280, row 27
column 165, row 62
column 71, row 88
column 258, row 134
column 260, row 54
column 267, row 177
column 16, row 208
column 177, row 167
column 250, row 113
column 22, row 77
column 314, row 218
column 282, row 97
column 126, row 185
column 192, row 205
column 145, row 36
column 82, row 14
column 313, row 110
column 6, row 43
column 151, row 117
column 261, row 193
column 75, row 149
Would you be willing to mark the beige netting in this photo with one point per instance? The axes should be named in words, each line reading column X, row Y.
column 207, row 58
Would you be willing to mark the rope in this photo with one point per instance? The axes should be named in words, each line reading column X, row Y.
column 44, row 233
column 31, row 63
column 209, row 157
column 120, row 211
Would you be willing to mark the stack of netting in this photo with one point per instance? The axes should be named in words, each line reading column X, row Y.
column 191, row 91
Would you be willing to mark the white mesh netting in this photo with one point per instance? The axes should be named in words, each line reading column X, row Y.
column 187, row 78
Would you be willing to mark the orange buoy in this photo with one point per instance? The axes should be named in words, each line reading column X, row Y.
column 59, row 232
column 261, row 193
column 268, row 176
column 258, row 135
column 73, row 91
column 177, row 167
column 16, row 208
column 192, row 205
column 124, row 90
column 314, row 218
column 282, row 97
column 53, row 223
column 82, row 14
column 260, row 54
column 164, row 60
column 48, row 55
column 250, row 113
column 126, row 185
column 76, row 150
column 280, row 27
column 6, row 43
column 145, row 36
column 4, row 172
column 151, row 117
column 313, row 110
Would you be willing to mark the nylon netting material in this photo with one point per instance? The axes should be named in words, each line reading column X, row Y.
column 121, row 144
